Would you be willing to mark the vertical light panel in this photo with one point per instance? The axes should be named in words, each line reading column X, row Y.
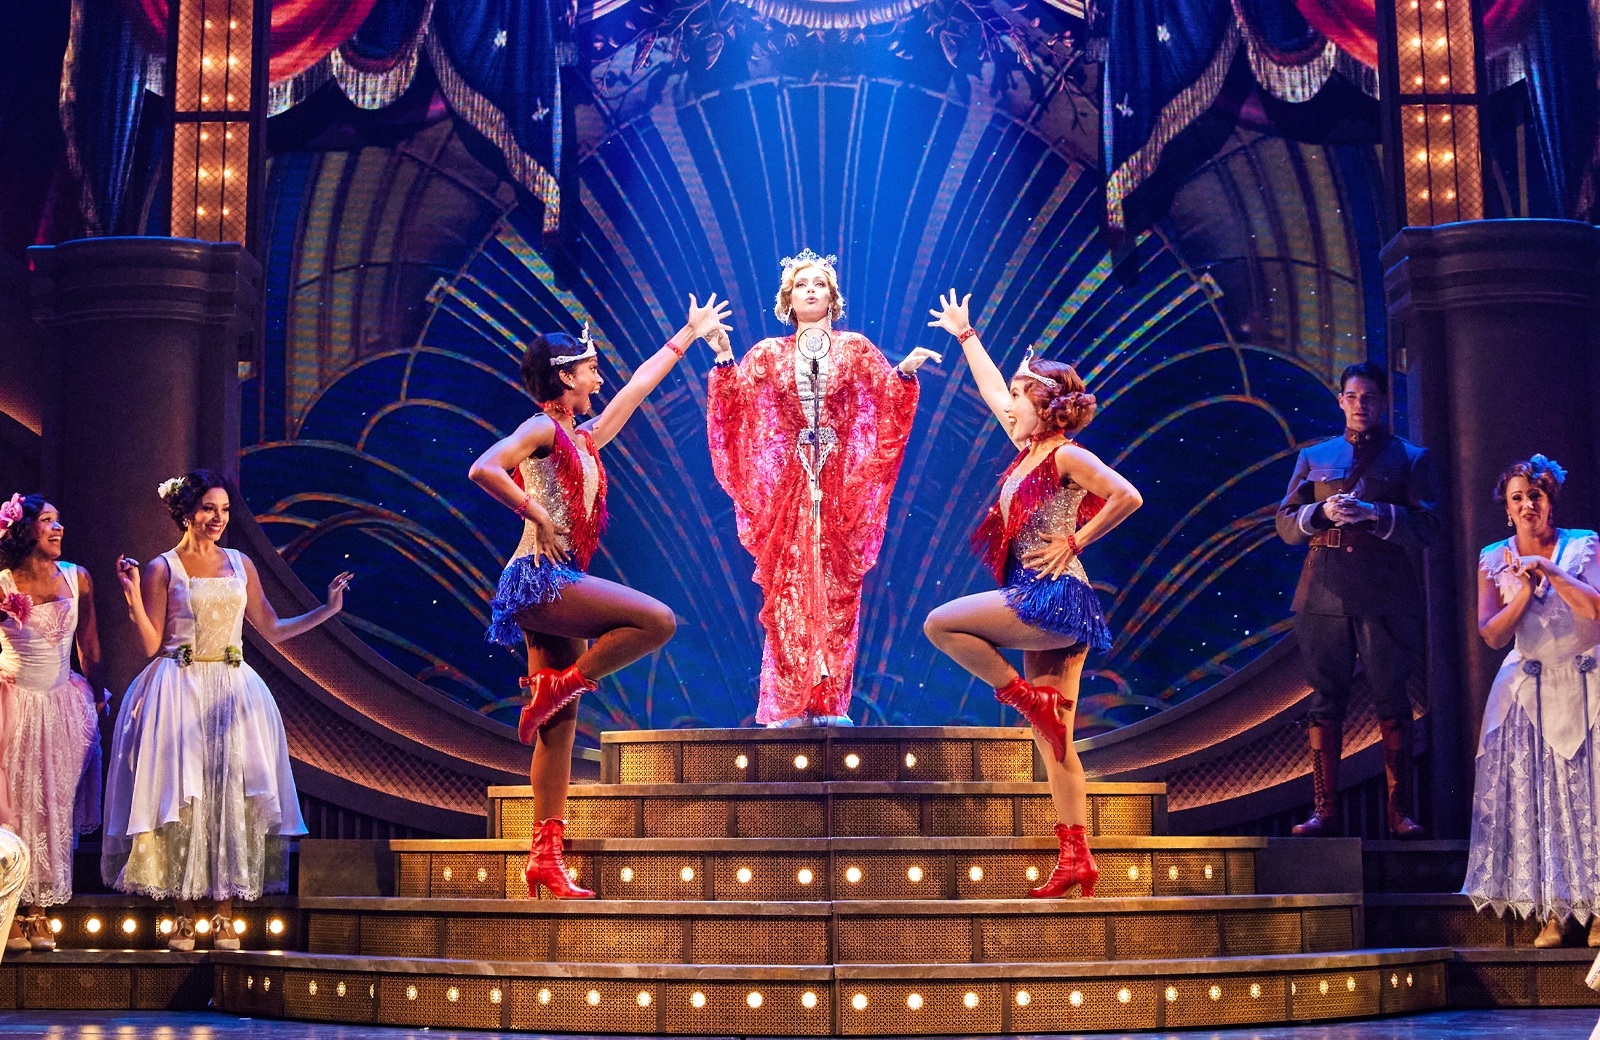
column 1440, row 149
column 211, row 119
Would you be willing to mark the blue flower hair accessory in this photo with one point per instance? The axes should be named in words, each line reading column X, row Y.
column 1550, row 466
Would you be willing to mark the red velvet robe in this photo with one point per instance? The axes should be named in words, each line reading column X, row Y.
column 812, row 608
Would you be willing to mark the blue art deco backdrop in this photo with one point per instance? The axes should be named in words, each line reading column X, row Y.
column 359, row 436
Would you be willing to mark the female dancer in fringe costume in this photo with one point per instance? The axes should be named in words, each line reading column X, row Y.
column 545, row 598
column 1055, row 500
column 49, row 717
column 200, row 798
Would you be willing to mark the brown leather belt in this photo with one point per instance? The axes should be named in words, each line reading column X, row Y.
column 1346, row 538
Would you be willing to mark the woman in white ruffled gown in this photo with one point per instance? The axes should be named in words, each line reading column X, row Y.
column 1533, row 847
column 200, row 800
column 49, row 723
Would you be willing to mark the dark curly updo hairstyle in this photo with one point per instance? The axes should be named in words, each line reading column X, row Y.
column 1540, row 472
column 183, row 499
column 1066, row 411
column 17, row 543
column 538, row 374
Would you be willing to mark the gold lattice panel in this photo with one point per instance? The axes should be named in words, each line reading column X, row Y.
column 759, row 940
column 1336, row 994
column 912, row 940
column 461, row 1001
column 769, row 877
column 876, row 816
column 383, row 936
column 514, row 818
column 326, row 997
column 1001, row 875
column 1190, row 874
column 412, row 874
column 584, row 1006
column 888, row 875
column 1163, row 936
column 1225, row 1000
column 1080, row 1005
column 1328, row 930
column 1413, row 987
column 685, row 818
column 650, row 876
column 1489, row 985
column 938, row 760
column 160, row 989
column 460, row 875
column 717, row 763
column 249, row 990
column 790, row 762
column 620, row 939
column 755, row 1008
column 516, row 867
column 647, row 764
column 1005, row 761
column 599, row 817
column 8, row 987
column 955, row 817
column 1561, row 985
column 1241, row 873
column 497, row 938
column 1044, row 937
column 919, row 1006
column 1038, row 815
column 782, row 818
column 334, row 933
column 1121, row 874
column 873, row 761
column 1124, row 814
column 1261, row 933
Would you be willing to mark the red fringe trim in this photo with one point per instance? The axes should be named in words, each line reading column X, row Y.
column 585, row 534
column 992, row 540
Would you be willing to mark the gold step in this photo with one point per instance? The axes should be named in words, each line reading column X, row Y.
column 827, row 809
column 816, row 933
column 825, row 868
column 1443, row 919
column 875, row 1000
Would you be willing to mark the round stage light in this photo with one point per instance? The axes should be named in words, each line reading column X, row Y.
column 742, row 762
column 129, row 926
column 805, row 877
column 808, row 1000
column 1208, row 872
column 914, row 1001
column 593, row 998
column 452, row 994
column 643, row 999
column 166, row 926
column 55, row 925
column 687, row 873
column 911, row 760
column 697, row 999
column 1075, row 998
column 275, row 926
column 852, row 761
column 1172, row 873
column 859, row 1002
column 201, row 926
column 483, row 873
column 239, row 926
column 801, row 761
column 340, row 989
column 1133, row 873
column 626, row 874
column 495, row 996
column 1255, row 990
column 1172, row 994
column 1350, row 984
column 92, row 926
column 1216, row 992
column 853, row 875
column 970, row 1000
column 1394, row 981
column 914, row 874
column 1408, row 978
column 1032, row 873
column 411, row 993
column 311, row 987
column 976, row 873
column 1324, row 987
column 1024, row 998
column 449, row 873
column 745, row 875
column 1124, row 995
column 544, row 996
column 753, row 998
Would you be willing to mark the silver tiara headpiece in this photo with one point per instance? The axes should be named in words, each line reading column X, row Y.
column 588, row 350
column 1024, row 370
column 806, row 258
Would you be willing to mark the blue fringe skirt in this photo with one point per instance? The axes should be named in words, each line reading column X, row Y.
column 524, row 584
column 1064, row 605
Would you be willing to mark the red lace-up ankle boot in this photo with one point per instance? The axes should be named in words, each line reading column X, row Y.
column 1040, row 706
column 552, row 691
column 1075, row 866
column 546, row 866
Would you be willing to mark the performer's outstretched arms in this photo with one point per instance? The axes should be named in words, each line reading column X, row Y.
column 492, row 473
column 993, row 386
column 702, row 320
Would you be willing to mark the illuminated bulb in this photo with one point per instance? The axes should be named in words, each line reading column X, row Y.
column 226, row 172
column 205, row 135
column 55, row 925
column 1445, row 118
column 1423, row 194
column 697, row 999
column 643, row 999
column 1444, row 81
column 1422, row 156
column 687, row 873
column 1172, row 873
column 544, row 996
column 203, row 174
column 808, row 1000
column 593, row 998
column 1024, row 998
column 230, row 99
column 494, row 995
column 1133, row 873
column 1032, row 873
column 572, row 872
column 914, row 1002
column 1450, row 194
column 1075, row 998
column 1438, row 5
column 1408, row 978
column 1418, row 81
column 859, row 1002
column 1216, row 993
column 205, row 62
column 1449, row 156
column 225, row 213
column 238, row 926
column 311, row 987
column 1324, row 987
column 753, row 999
column 448, row 872
column 626, row 873
column 208, row 23
column 801, row 761
column 911, row 760
column 1207, row 872
column 235, row 25
column 275, row 926
column 166, row 926
column 1439, row 42
column 199, row 211
column 1394, row 981
column 805, row 876
column 411, row 993
column 1172, row 994
column 452, row 994
column 742, row 762
column 852, row 761
column 228, row 136
column 914, row 874
column 744, row 875
column 1416, row 41
column 129, row 925
column 92, row 926
column 483, row 872
column 976, row 873
column 1350, row 983
column 970, row 1000
column 1421, row 119
column 205, row 97
column 853, row 875
column 340, row 989
column 1124, row 995
column 233, row 59
column 1255, row 989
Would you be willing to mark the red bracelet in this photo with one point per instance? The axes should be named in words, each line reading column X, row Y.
column 971, row 332
column 522, row 507
column 1072, row 543
column 675, row 348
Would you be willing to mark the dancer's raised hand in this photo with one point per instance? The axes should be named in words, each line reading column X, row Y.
column 1052, row 558
column 708, row 317
column 128, row 575
column 913, row 361
column 952, row 316
column 336, row 587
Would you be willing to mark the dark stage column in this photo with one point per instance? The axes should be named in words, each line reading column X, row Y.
column 1497, row 322
column 144, row 338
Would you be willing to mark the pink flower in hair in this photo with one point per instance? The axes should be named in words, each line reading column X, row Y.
column 18, row 604
column 10, row 512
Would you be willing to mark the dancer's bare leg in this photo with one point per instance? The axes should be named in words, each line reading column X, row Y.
column 550, row 773
column 970, row 630
column 1063, row 670
column 624, row 624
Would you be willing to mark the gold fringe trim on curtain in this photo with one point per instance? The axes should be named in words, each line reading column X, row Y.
column 1363, row 76
column 491, row 123
column 1181, row 111
column 833, row 14
column 374, row 90
column 287, row 93
column 1286, row 79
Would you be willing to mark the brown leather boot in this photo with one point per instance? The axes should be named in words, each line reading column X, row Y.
column 1327, row 744
column 1397, row 771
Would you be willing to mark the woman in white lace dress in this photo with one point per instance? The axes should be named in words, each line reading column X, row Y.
column 200, row 801
column 1534, row 806
column 49, row 736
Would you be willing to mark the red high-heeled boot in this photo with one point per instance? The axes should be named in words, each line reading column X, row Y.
column 1074, row 866
column 552, row 691
column 1039, row 705
column 546, row 866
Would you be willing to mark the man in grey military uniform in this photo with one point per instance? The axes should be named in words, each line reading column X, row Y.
column 1360, row 501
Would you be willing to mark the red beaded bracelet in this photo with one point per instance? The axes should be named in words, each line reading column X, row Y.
column 522, row 507
column 971, row 332
column 675, row 348
column 1072, row 543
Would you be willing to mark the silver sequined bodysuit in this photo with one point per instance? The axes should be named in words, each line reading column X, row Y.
column 1057, row 515
column 539, row 481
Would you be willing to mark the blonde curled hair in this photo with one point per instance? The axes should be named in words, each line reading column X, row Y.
column 780, row 304
column 1067, row 410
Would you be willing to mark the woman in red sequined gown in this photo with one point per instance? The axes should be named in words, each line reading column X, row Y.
column 1054, row 501
column 807, row 432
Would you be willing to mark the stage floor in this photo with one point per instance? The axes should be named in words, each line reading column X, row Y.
column 1543, row 1023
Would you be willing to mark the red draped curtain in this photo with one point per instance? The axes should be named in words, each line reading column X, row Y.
column 1353, row 24
column 303, row 31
